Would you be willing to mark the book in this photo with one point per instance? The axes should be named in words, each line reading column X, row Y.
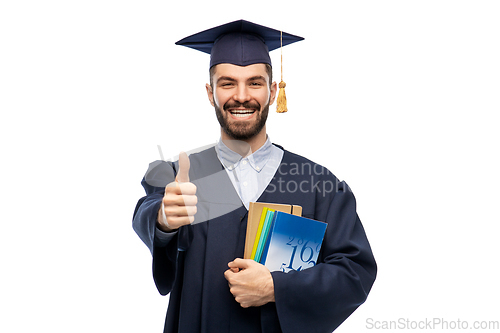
column 266, row 241
column 259, row 232
column 254, row 216
column 262, row 238
column 294, row 243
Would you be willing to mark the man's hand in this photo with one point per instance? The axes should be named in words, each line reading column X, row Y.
column 179, row 201
column 250, row 283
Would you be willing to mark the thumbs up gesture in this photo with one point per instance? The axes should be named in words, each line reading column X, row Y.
column 179, row 202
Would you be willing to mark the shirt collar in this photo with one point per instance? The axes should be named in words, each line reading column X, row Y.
column 231, row 159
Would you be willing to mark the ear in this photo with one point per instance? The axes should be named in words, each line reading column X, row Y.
column 274, row 89
column 210, row 93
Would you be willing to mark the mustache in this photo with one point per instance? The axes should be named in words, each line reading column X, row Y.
column 245, row 105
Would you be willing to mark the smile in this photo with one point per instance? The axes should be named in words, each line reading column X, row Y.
column 242, row 113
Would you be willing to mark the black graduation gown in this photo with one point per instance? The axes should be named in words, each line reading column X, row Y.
column 191, row 266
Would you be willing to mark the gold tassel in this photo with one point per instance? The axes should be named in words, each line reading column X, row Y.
column 281, row 102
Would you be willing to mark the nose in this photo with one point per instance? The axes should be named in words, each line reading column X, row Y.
column 241, row 94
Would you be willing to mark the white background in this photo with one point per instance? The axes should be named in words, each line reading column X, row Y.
column 398, row 98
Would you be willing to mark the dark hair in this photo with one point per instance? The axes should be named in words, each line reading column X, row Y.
column 269, row 71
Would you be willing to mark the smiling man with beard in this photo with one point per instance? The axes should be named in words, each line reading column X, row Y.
column 194, row 215
column 245, row 93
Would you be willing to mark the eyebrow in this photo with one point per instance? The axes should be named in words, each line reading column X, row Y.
column 253, row 78
column 226, row 78
column 257, row 77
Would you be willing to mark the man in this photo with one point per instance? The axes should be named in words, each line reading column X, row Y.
column 194, row 216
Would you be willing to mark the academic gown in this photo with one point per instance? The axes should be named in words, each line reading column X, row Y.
column 191, row 266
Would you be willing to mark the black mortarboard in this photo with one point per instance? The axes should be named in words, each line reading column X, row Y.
column 239, row 43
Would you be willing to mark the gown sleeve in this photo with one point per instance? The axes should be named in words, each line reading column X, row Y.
column 164, row 253
column 320, row 298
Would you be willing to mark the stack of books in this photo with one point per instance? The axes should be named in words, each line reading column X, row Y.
column 281, row 239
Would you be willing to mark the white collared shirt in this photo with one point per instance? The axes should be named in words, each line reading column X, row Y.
column 250, row 175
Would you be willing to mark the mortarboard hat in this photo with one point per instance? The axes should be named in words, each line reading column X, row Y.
column 241, row 43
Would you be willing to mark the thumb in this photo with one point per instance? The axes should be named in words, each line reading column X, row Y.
column 183, row 173
column 240, row 263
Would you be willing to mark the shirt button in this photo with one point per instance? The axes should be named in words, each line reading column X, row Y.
column 245, row 183
column 244, row 162
column 257, row 168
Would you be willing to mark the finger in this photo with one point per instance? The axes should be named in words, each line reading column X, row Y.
column 183, row 174
column 180, row 211
column 180, row 200
column 232, row 268
column 228, row 275
column 178, row 221
column 181, row 188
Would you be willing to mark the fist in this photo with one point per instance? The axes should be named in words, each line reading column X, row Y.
column 250, row 282
column 179, row 202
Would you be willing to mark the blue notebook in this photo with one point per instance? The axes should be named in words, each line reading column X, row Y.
column 293, row 243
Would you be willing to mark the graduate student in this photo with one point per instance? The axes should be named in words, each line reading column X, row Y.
column 194, row 215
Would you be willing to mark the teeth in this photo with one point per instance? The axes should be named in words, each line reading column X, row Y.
column 241, row 113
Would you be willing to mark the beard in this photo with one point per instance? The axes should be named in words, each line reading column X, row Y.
column 240, row 130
